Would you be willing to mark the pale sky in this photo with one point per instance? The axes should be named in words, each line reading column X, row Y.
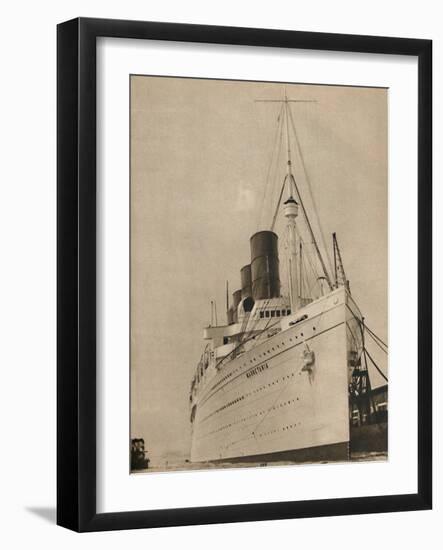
column 200, row 151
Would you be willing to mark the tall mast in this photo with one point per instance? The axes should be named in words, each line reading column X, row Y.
column 300, row 271
column 289, row 175
column 290, row 208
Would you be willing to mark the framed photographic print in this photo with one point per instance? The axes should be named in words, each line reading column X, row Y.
column 244, row 274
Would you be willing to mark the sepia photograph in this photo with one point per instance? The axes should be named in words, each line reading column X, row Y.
column 258, row 274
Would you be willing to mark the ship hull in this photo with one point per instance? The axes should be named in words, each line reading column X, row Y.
column 336, row 452
column 269, row 405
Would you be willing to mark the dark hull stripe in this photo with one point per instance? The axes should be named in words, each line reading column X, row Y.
column 334, row 452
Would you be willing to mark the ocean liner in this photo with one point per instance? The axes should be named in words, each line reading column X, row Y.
column 275, row 383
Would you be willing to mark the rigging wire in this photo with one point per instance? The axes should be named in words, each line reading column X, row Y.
column 276, row 141
column 378, row 344
column 278, row 206
column 374, row 336
column 314, row 273
column 276, row 176
column 363, row 325
column 244, row 342
column 269, row 320
column 313, row 269
column 244, row 324
column 314, row 204
column 303, row 284
column 254, row 324
column 375, row 364
column 308, row 223
column 371, row 332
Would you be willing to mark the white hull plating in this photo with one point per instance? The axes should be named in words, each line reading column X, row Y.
column 268, row 400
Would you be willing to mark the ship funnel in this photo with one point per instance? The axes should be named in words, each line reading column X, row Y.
column 264, row 265
column 246, row 282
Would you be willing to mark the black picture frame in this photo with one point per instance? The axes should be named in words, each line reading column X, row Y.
column 76, row 278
